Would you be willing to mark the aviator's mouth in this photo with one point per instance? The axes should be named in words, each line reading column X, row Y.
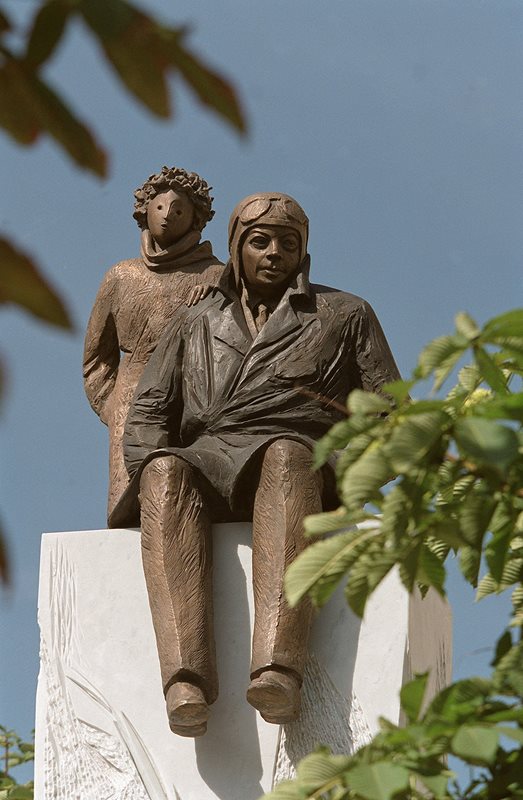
column 271, row 270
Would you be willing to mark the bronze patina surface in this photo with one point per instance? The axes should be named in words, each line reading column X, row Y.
column 138, row 298
column 221, row 428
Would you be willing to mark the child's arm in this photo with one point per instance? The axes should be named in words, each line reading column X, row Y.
column 101, row 349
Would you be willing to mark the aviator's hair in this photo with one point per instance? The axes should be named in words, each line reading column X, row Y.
column 177, row 179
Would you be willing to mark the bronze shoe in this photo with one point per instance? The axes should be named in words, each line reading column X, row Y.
column 276, row 695
column 187, row 709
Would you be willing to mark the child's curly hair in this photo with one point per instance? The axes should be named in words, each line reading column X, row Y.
column 180, row 180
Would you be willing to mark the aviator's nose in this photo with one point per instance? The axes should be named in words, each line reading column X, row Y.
column 273, row 251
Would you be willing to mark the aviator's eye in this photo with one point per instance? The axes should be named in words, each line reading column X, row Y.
column 290, row 243
column 179, row 212
column 259, row 242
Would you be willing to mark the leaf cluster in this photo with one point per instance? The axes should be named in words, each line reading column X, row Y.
column 138, row 48
column 419, row 479
column 469, row 720
column 14, row 752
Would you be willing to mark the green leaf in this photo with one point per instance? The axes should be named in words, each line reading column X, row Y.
column 508, row 324
column 412, row 694
column 476, row 744
column 476, row 513
column 357, row 590
column 414, row 438
column 357, row 446
column 449, row 703
column 363, row 479
column 131, row 43
column 29, row 107
column 17, row 115
column 511, row 733
column 398, row 390
column 361, row 402
column 318, row 769
column 210, row 88
column 446, row 531
column 142, row 52
column 466, row 326
column 509, row 407
column 47, row 30
column 396, row 511
column 67, row 130
column 421, row 406
column 379, row 781
column 440, row 548
column 437, row 784
column 330, row 521
column 5, row 25
column 409, row 565
column 486, row 441
column 496, row 551
column 503, row 645
column 431, row 571
column 21, row 283
column 490, row 371
column 326, row 562
column 486, row 587
column 439, row 352
column 469, row 377
column 512, row 349
column 469, row 563
column 512, row 572
column 21, row 793
column 365, row 575
column 287, row 790
column 337, row 438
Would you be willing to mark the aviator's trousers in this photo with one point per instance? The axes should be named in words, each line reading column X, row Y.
column 177, row 559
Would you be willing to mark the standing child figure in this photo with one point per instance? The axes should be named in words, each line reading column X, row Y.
column 138, row 298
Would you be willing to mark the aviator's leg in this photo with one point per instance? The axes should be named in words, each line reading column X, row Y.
column 177, row 559
column 288, row 490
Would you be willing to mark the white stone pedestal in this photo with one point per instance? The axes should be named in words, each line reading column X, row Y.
column 101, row 726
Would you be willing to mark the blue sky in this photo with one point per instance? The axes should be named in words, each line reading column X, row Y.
column 397, row 125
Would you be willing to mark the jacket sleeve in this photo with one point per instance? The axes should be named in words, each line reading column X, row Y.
column 101, row 348
column 374, row 359
column 154, row 418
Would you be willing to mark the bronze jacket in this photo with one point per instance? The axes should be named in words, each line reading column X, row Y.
column 215, row 397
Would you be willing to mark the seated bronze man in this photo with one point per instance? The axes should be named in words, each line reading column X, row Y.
column 221, row 428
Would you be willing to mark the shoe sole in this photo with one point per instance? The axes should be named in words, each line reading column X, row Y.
column 273, row 704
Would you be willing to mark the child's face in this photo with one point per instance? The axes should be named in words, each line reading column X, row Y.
column 170, row 216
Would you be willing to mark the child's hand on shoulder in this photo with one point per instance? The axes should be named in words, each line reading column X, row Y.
column 197, row 293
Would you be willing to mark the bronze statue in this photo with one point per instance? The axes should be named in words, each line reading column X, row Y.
column 138, row 297
column 221, row 428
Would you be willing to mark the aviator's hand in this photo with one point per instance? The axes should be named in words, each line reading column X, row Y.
column 197, row 294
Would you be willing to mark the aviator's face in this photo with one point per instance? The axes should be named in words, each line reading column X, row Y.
column 169, row 217
column 270, row 256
